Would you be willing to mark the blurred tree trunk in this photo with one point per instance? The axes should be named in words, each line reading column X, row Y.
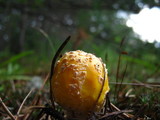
column 23, row 27
column 81, row 35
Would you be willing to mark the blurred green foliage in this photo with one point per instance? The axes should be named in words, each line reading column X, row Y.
column 95, row 26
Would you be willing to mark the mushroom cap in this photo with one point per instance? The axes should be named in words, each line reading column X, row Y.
column 78, row 82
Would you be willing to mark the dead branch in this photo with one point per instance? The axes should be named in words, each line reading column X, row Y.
column 6, row 109
column 20, row 108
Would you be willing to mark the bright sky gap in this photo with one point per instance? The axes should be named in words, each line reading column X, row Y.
column 146, row 24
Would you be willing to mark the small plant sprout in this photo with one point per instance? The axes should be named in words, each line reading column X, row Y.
column 79, row 83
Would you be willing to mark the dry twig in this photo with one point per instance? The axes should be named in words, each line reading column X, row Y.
column 6, row 110
column 114, row 113
column 124, row 114
column 20, row 108
column 36, row 98
column 137, row 84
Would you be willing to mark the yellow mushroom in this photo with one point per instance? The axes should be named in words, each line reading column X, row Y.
column 78, row 82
